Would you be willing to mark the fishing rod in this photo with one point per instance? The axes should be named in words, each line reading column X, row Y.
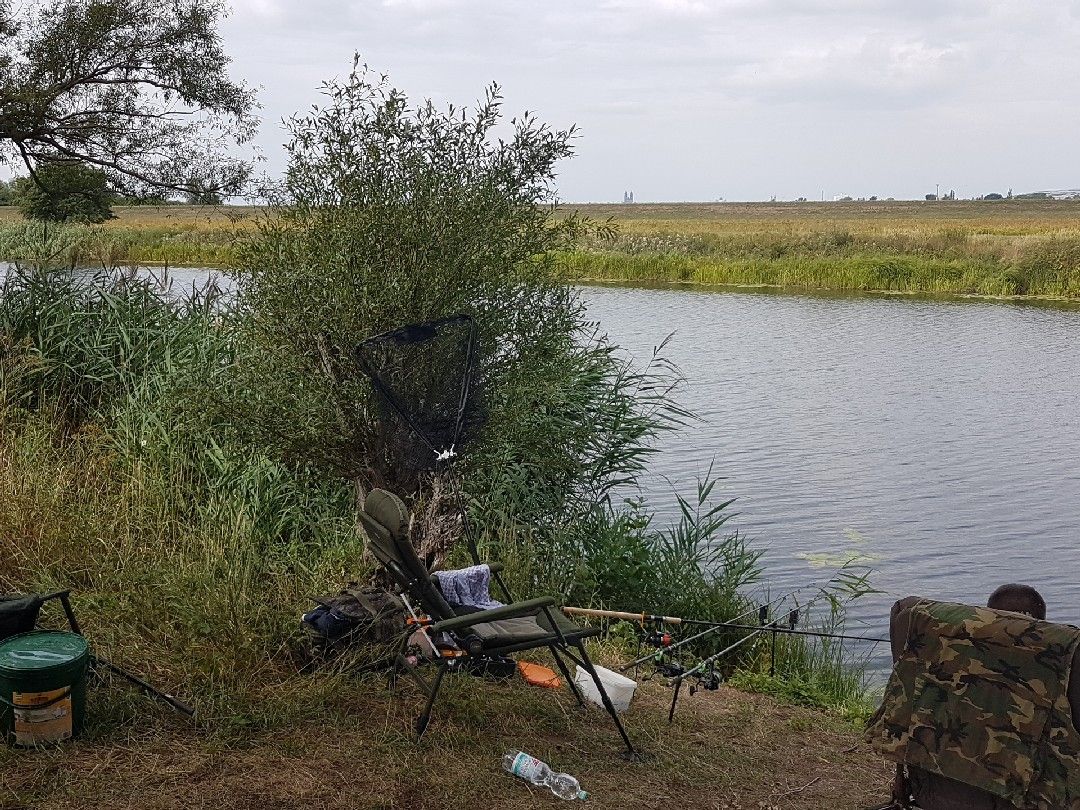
column 650, row 618
column 793, row 618
column 816, row 633
column 643, row 618
column 713, row 627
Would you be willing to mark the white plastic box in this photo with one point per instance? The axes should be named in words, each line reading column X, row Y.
column 618, row 687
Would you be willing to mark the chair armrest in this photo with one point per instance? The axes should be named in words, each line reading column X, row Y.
column 514, row 611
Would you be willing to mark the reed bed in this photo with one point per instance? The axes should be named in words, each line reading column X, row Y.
column 972, row 248
column 989, row 248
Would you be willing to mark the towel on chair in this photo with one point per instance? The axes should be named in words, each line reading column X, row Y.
column 468, row 587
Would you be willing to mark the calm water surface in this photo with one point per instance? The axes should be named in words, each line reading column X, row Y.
column 939, row 441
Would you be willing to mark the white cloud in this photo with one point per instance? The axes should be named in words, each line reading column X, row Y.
column 706, row 98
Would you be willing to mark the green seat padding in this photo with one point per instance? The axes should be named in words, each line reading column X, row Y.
column 565, row 624
column 379, row 541
column 524, row 629
column 388, row 510
column 509, row 631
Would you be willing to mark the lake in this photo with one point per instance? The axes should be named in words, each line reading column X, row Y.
column 937, row 440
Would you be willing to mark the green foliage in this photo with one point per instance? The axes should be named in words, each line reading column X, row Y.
column 393, row 214
column 65, row 192
column 84, row 343
column 136, row 88
column 199, row 194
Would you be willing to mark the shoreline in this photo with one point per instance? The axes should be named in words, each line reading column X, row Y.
column 1064, row 302
column 837, row 292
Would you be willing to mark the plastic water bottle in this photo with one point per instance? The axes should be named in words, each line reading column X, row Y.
column 533, row 770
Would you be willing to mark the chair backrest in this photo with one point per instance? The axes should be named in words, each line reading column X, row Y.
column 933, row 791
column 386, row 522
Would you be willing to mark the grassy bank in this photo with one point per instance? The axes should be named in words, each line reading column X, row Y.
column 173, row 235
column 192, row 553
column 726, row 749
column 992, row 248
column 1026, row 248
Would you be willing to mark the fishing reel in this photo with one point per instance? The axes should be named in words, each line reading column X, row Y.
column 659, row 638
column 668, row 669
column 709, row 681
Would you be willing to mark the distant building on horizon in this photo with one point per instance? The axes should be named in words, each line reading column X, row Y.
column 627, row 197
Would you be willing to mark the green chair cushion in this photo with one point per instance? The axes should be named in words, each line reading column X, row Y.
column 524, row 629
column 509, row 631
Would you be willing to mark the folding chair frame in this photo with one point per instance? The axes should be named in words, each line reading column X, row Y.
column 391, row 551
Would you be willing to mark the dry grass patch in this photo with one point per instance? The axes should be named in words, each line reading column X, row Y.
column 726, row 749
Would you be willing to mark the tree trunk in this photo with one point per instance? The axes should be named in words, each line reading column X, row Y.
column 436, row 522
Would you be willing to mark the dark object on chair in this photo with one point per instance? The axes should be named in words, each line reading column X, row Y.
column 18, row 614
column 924, row 663
column 475, row 636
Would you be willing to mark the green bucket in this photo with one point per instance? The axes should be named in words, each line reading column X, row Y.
column 42, row 687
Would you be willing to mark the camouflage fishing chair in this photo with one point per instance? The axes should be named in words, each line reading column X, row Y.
column 475, row 636
column 982, row 710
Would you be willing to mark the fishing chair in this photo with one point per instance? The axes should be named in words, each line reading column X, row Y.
column 476, row 635
column 919, row 788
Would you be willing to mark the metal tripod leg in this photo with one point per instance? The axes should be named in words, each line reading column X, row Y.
column 425, row 716
column 588, row 666
column 566, row 674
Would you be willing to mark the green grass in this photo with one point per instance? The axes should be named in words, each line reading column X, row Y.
column 1000, row 248
column 895, row 249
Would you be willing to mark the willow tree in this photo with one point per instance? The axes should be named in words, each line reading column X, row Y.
column 137, row 89
column 393, row 213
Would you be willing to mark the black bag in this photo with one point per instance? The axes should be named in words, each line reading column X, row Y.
column 355, row 615
column 18, row 614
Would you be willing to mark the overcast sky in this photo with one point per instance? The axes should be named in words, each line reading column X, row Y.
column 708, row 99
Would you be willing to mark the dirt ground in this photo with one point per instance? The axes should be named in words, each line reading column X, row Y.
column 726, row 750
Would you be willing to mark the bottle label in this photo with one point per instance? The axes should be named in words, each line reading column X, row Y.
column 527, row 767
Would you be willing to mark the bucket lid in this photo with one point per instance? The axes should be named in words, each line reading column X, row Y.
column 40, row 651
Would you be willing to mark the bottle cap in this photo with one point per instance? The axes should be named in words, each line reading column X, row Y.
column 581, row 794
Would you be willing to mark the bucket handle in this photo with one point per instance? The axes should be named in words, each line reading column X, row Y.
column 65, row 694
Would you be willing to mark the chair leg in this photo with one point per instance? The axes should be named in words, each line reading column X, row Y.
column 588, row 665
column 566, row 674
column 401, row 663
column 425, row 716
